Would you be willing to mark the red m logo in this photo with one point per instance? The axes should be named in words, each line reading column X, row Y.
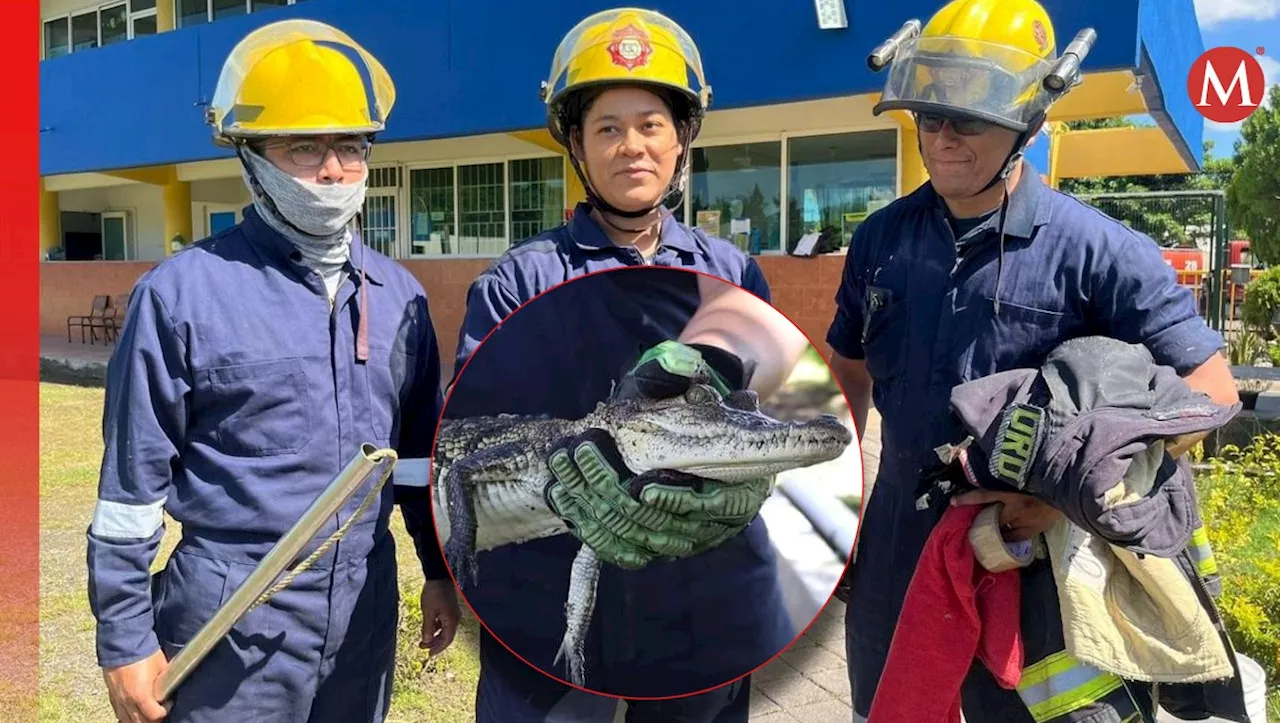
column 1234, row 101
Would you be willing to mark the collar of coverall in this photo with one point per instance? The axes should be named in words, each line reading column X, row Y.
column 283, row 250
column 1028, row 209
column 588, row 235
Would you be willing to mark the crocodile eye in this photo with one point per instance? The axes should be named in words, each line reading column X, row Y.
column 700, row 394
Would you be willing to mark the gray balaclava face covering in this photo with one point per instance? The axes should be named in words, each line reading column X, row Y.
column 323, row 212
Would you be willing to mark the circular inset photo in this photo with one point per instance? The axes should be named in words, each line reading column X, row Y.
column 646, row 484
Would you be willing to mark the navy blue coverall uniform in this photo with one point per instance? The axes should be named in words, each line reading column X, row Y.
column 234, row 397
column 671, row 628
column 917, row 303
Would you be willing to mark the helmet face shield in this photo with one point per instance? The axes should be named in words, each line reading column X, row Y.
column 967, row 78
column 626, row 45
column 300, row 77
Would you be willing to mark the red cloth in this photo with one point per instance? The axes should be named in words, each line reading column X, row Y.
column 955, row 610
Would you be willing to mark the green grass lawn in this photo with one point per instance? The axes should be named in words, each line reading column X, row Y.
column 71, row 687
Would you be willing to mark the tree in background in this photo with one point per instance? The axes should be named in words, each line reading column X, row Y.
column 1253, row 196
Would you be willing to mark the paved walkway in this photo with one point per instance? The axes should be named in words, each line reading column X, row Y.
column 810, row 682
column 73, row 362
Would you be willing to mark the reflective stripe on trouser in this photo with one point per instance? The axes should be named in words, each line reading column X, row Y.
column 892, row 535
column 320, row 651
column 1058, row 686
column 1202, row 554
column 1055, row 687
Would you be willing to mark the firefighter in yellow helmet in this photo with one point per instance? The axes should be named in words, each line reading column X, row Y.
column 626, row 97
column 252, row 367
column 977, row 63
column 980, row 271
column 643, row 64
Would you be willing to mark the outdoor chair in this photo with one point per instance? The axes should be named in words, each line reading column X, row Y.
column 99, row 310
column 113, row 321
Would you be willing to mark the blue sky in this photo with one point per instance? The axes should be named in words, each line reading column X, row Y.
column 1245, row 24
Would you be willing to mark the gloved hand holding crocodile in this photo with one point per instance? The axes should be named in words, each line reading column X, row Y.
column 695, row 460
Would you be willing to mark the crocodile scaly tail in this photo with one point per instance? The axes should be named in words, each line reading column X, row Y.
column 578, row 608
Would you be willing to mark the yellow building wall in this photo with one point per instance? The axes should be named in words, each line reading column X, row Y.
column 911, row 168
column 164, row 16
column 50, row 220
column 177, row 213
column 1117, row 152
column 177, row 200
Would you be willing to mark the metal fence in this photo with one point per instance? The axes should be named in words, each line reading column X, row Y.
column 1195, row 221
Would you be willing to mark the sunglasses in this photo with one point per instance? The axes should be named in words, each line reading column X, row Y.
column 962, row 126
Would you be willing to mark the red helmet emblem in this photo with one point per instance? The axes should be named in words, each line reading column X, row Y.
column 630, row 47
column 1042, row 37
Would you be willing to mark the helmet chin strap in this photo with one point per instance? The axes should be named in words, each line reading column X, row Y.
column 1014, row 159
column 675, row 187
column 607, row 209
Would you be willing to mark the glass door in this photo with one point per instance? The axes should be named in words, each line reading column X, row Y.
column 431, row 212
column 115, row 236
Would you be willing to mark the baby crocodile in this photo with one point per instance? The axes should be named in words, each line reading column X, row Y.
column 489, row 473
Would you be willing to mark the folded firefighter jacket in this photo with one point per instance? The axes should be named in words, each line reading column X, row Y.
column 1087, row 432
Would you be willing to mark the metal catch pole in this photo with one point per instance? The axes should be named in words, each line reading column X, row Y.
column 257, row 587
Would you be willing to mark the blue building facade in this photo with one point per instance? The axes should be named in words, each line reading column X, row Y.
column 465, row 168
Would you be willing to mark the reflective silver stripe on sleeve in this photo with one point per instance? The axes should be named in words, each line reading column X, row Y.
column 412, row 472
column 119, row 520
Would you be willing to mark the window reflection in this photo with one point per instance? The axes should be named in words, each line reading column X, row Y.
column 736, row 191
column 835, row 181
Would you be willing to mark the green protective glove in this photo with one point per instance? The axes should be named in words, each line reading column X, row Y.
column 721, row 511
column 666, row 370
column 631, row 520
column 675, row 516
column 588, row 494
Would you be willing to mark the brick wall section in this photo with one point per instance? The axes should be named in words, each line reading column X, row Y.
column 803, row 289
column 446, row 284
column 67, row 288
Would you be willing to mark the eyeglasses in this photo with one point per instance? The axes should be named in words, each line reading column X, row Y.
column 962, row 126
column 352, row 153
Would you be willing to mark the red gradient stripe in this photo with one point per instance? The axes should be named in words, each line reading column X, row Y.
column 19, row 367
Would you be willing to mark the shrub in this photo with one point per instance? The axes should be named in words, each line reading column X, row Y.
column 1240, row 502
column 1246, row 347
column 1262, row 301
